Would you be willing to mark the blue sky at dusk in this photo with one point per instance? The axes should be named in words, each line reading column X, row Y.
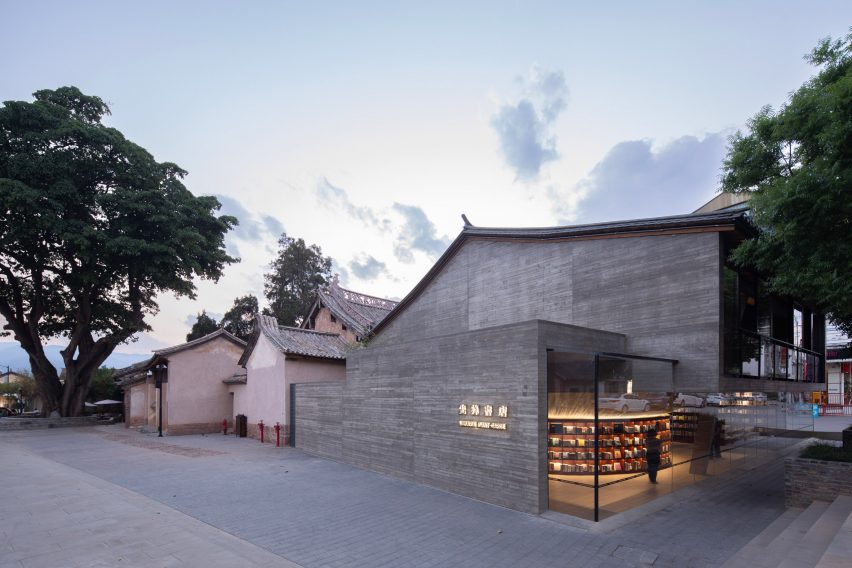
column 368, row 128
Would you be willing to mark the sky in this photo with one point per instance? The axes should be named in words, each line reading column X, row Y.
column 368, row 128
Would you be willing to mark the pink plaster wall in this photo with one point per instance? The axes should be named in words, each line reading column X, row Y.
column 266, row 394
column 262, row 397
column 137, row 405
column 195, row 393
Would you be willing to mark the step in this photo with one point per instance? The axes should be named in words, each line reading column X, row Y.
column 757, row 545
column 839, row 551
column 815, row 542
column 774, row 550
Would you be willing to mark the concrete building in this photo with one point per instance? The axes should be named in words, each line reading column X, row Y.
column 194, row 398
column 517, row 337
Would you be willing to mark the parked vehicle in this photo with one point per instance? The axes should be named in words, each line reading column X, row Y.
column 754, row 398
column 718, row 399
column 683, row 399
column 625, row 403
column 657, row 400
column 5, row 412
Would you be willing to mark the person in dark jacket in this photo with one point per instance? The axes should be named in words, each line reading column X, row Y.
column 653, row 449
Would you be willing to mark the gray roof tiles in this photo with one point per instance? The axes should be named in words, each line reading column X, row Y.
column 296, row 341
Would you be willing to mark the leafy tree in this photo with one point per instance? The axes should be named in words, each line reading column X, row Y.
column 239, row 319
column 204, row 325
column 103, row 385
column 297, row 272
column 92, row 228
column 796, row 164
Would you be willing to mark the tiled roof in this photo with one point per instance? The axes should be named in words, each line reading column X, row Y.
column 296, row 341
column 138, row 371
column 200, row 340
column 359, row 312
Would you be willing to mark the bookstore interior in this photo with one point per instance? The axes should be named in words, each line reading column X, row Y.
column 602, row 441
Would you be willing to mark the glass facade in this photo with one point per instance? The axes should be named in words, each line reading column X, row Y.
column 767, row 337
column 614, row 423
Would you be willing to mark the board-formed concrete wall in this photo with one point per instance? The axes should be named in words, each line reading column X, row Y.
column 662, row 292
column 398, row 411
column 319, row 418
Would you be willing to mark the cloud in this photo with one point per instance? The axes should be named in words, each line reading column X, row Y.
column 634, row 180
column 418, row 233
column 273, row 225
column 252, row 227
column 366, row 267
column 334, row 196
column 525, row 128
column 342, row 273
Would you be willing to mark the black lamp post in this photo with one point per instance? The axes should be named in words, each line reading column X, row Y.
column 160, row 378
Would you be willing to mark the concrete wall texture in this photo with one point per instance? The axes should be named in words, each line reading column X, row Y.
column 476, row 335
column 662, row 292
column 398, row 411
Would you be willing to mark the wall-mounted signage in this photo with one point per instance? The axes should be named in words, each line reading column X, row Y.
column 476, row 415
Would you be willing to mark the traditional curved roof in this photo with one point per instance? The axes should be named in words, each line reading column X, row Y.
column 138, row 371
column 735, row 217
column 296, row 341
column 359, row 312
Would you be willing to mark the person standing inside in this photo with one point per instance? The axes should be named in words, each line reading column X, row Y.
column 653, row 450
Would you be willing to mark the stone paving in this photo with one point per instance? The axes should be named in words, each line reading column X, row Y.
column 235, row 502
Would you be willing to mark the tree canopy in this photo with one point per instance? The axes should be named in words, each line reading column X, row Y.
column 103, row 385
column 296, row 274
column 240, row 318
column 796, row 165
column 204, row 325
column 92, row 228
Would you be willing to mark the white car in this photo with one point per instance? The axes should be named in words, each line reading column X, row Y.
column 625, row 403
column 694, row 400
column 718, row 399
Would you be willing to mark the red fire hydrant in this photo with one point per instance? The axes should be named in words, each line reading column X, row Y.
column 260, row 425
column 277, row 435
column 225, row 427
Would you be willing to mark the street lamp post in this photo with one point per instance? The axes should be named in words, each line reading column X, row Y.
column 159, row 379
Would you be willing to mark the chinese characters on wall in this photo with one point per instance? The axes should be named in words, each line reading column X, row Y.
column 476, row 415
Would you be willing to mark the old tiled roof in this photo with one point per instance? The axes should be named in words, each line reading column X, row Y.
column 139, row 371
column 733, row 217
column 296, row 341
column 359, row 312
column 200, row 340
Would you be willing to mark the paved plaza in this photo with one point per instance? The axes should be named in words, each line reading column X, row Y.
column 107, row 496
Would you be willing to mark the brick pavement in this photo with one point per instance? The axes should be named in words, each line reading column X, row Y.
column 319, row 513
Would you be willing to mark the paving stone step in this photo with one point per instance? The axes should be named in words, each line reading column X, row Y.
column 815, row 542
column 772, row 553
column 839, row 551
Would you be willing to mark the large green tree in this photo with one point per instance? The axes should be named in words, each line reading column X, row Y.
column 240, row 318
column 796, row 165
column 204, row 325
column 296, row 274
column 92, row 228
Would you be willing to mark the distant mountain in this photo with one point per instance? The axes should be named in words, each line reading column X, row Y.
column 13, row 356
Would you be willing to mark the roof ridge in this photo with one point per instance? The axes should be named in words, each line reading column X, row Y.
column 355, row 292
column 197, row 341
column 303, row 330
